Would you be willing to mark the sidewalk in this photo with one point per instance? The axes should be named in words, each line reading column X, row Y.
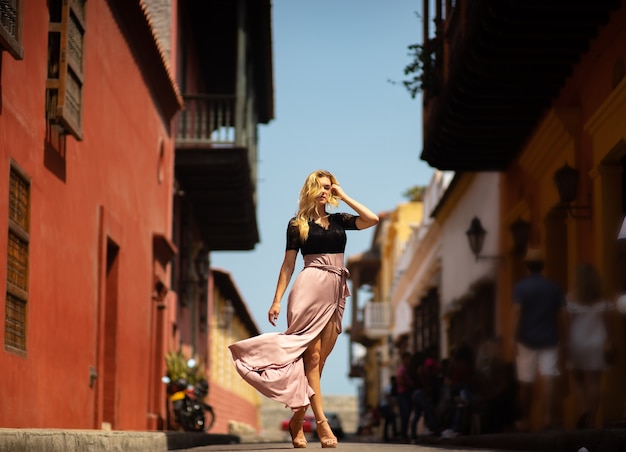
column 53, row 440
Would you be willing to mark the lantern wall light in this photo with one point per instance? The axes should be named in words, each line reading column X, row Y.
column 202, row 265
column 226, row 315
column 476, row 233
column 566, row 180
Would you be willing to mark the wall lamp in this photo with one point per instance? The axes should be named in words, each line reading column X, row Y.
column 566, row 180
column 520, row 230
column 202, row 265
column 226, row 315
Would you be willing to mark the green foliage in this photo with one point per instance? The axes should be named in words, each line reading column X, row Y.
column 176, row 364
column 424, row 71
column 415, row 193
column 422, row 68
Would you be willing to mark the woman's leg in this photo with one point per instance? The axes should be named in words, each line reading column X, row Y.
column 328, row 338
column 296, row 426
column 581, row 396
column 314, row 359
column 416, row 399
column 592, row 384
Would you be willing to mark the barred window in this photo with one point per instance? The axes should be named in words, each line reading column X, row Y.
column 11, row 27
column 15, row 323
column 64, row 86
column 17, row 261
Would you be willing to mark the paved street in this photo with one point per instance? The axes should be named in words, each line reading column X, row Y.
column 606, row 440
column 349, row 443
column 343, row 446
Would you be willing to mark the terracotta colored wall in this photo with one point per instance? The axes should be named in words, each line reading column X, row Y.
column 228, row 406
column 112, row 171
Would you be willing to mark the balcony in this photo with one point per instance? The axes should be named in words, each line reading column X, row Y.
column 357, row 332
column 357, row 369
column 207, row 120
column 216, row 168
column 505, row 62
column 378, row 319
column 228, row 77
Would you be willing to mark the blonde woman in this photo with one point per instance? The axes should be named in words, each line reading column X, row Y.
column 287, row 367
column 589, row 330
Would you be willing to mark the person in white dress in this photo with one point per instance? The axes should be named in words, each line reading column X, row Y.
column 588, row 335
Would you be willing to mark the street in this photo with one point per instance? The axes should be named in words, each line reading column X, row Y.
column 593, row 440
column 349, row 443
column 344, row 446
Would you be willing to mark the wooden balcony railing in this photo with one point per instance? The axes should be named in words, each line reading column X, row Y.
column 207, row 119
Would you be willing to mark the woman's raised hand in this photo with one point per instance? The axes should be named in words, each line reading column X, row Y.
column 337, row 191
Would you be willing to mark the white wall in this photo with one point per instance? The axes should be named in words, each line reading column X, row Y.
column 459, row 266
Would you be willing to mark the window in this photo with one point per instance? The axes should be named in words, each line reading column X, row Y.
column 17, row 261
column 11, row 27
column 64, row 86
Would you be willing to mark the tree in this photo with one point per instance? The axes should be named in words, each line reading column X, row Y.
column 415, row 193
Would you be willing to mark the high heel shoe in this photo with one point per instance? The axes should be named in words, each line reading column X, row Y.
column 298, row 443
column 328, row 442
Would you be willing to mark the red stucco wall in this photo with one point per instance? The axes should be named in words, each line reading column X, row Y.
column 105, row 186
column 229, row 406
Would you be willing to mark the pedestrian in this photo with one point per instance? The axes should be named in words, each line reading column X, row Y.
column 538, row 311
column 287, row 367
column 589, row 342
column 460, row 379
column 387, row 408
column 425, row 391
column 497, row 389
column 406, row 385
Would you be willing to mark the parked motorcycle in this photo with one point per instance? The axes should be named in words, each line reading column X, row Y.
column 190, row 410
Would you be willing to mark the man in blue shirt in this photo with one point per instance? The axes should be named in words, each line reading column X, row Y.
column 538, row 306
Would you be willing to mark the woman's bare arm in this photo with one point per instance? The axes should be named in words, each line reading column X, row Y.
column 366, row 218
column 286, row 270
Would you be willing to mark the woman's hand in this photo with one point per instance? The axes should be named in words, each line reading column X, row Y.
column 337, row 191
column 366, row 218
column 272, row 315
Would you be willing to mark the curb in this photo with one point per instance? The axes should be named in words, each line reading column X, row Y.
column 53, row 440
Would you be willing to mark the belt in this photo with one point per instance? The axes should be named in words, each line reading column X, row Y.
column 342, row 272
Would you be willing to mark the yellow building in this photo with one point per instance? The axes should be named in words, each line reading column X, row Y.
column 372, row 322
column 236, row 403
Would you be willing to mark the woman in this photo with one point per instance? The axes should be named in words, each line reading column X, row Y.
column 287, row 366
column 588, row 332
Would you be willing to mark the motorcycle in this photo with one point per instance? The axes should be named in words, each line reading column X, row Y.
column 190, row 410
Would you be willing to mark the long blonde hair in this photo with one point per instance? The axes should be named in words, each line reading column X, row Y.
column 307, row 204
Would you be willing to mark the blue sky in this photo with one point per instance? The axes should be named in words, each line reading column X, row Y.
column 335, row 109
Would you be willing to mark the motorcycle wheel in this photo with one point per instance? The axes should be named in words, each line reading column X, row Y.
column 209, row 417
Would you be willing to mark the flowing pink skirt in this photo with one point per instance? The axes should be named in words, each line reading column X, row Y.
column 272, row 362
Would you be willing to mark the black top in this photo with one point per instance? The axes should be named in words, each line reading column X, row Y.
column 320, row 240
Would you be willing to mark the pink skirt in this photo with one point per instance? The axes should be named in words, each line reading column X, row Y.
column 272, row 362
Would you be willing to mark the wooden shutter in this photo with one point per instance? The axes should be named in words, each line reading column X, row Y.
column 65, row 76
column 11, row 27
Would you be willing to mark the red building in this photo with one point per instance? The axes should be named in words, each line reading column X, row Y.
column 87, row 155
column 104, row 185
